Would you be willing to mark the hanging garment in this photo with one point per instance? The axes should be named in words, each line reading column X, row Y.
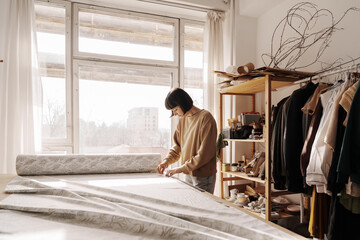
column 343, row 223
column 349, row 164
column 293, row 139
column 321, row 153
column 332, row 184
column 306, row 151
column 349, row 202
column 276, row 150
column 319, row 215
column 310, row 108
column 347, row 100
column 313, row 111
column 352, row 189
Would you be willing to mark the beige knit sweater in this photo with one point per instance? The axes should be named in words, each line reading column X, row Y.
column 195, row 144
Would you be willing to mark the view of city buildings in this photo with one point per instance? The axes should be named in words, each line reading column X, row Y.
column 140, row 134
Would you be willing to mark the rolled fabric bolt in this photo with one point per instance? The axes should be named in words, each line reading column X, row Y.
column 231, row 69
column 247, row 68
column 53, row 164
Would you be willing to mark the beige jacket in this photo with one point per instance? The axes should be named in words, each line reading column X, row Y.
column 195, row 144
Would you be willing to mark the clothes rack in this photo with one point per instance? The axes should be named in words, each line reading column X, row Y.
column 329, row 73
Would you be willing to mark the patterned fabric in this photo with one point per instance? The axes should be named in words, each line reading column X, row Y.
column 85, row 164
column 156, row 208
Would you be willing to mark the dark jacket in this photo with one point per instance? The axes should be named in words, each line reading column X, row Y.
column 276, row 150
column 293, row 136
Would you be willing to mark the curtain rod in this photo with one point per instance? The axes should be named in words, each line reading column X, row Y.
column 329, row 73
column 196, row 8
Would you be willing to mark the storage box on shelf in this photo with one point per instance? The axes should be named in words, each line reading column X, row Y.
column 269, row 80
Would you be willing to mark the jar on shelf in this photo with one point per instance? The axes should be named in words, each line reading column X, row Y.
column 226, row 167
column 234, row 167
column 241, row 163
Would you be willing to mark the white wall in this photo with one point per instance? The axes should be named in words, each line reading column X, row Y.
column 344, row 43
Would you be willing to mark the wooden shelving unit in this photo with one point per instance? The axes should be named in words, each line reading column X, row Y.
column 265, row 84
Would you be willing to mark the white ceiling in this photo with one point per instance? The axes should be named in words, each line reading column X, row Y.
column 256, row 8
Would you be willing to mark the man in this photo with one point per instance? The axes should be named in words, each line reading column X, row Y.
column 195, row 142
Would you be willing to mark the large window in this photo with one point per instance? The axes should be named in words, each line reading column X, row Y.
column 106, row 74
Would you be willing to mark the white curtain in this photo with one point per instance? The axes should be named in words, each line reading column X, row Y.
column 20, row 89
column 213, row 59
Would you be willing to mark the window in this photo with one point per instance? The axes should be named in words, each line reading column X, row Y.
column 115, row 103
column 193, row 62
column 106, row 92
column 53, row 51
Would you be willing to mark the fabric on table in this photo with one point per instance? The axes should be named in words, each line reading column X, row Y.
column 161, row 208
column 86, row 164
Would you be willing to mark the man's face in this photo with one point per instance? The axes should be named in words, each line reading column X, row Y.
column 177, row 111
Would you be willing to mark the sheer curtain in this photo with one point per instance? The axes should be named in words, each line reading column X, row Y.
column 213, row 58
column 20, row 89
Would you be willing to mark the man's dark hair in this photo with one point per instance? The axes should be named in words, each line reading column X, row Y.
column 178, row 97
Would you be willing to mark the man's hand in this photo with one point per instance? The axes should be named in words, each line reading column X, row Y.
column 161, row 167
column 171, row 172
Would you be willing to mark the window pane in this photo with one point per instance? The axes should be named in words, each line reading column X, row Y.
column 50, row 24
column 126, row 36
column 122, row 110
column 193, row 62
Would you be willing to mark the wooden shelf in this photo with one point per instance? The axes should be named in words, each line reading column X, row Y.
column 244, row 176
column 266, row 84
column 246, row 140
column 257, row 85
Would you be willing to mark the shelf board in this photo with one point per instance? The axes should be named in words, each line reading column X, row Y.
column 245, row 176
column 245, row 140
column 276, row 193
column 282, row 214
column 257, row 85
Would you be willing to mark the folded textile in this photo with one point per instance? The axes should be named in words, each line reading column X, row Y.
column 86, row 164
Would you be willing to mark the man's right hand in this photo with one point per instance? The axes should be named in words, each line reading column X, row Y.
column 161, row 167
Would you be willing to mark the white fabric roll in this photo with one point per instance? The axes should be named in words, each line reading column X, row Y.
column 86, row 164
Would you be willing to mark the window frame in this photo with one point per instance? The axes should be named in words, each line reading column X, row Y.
column 63, row 143
column 117, row 12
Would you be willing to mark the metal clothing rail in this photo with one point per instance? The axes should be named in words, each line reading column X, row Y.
column 329, row 73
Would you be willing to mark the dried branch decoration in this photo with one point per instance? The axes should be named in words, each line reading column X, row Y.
column 301, row 23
